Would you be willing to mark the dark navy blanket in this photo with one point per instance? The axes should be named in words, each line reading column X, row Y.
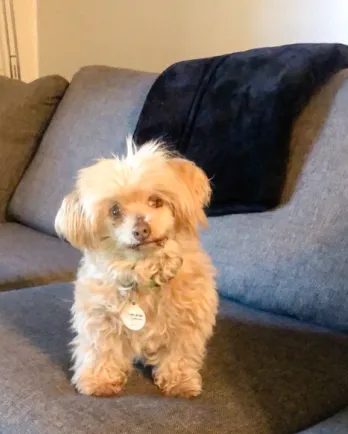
column 233, row 114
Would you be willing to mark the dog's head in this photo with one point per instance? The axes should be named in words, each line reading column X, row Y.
column 136, row 201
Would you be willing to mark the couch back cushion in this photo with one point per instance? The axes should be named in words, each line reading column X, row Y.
column 25, row 111
column 99, row 109
column 293, row 260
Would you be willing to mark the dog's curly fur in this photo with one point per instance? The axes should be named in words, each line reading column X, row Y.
column 98, row 218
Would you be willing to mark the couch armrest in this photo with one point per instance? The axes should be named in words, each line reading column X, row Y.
column 25, row 112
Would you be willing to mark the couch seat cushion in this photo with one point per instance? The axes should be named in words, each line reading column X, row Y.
column 263, row 375
column 29, row 258
column 99, row 109
column 25, row 111
column 337, row 424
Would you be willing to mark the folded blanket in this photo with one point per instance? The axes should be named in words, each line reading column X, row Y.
column 233, row 114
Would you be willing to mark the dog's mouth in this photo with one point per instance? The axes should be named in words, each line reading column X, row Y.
column 157, row 242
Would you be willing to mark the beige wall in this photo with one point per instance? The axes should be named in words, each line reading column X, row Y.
column 151, row 34
column 25, row 13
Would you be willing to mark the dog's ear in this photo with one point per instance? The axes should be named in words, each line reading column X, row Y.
column 72, row 223
column 195, row 192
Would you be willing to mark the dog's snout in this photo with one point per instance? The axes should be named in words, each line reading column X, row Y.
column 141, row 230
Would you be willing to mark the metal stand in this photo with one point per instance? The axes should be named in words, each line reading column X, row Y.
column 10, row 36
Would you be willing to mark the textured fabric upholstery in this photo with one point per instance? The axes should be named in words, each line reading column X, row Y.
column 99, row 109
column 294, row 260
column 25, row 111
column 338, row 424
column 263, row 375
column 29, row 258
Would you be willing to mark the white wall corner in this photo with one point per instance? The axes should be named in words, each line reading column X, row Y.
column 27, row 37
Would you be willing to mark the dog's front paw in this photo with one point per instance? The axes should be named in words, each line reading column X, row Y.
column 181, row 384
column 170, row 262
column 162, row 267
column 170, row 265
column 100, row 385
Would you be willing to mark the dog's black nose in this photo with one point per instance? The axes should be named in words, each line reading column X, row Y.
column 141, row 230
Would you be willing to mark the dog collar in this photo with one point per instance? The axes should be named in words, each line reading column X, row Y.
column 153, row 284
column 133, row 286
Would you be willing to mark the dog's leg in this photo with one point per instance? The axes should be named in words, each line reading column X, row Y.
column 177, row 372
column 100, row 366
column 102, row 358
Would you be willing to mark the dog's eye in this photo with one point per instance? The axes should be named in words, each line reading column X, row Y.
column 115, row 211
column 155, row 202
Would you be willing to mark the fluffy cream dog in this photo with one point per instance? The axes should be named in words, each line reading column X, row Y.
column 145, row 288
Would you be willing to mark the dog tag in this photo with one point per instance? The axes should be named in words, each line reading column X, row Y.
column 133, row 317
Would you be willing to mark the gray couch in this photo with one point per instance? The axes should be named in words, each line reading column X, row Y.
column 278, row 362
